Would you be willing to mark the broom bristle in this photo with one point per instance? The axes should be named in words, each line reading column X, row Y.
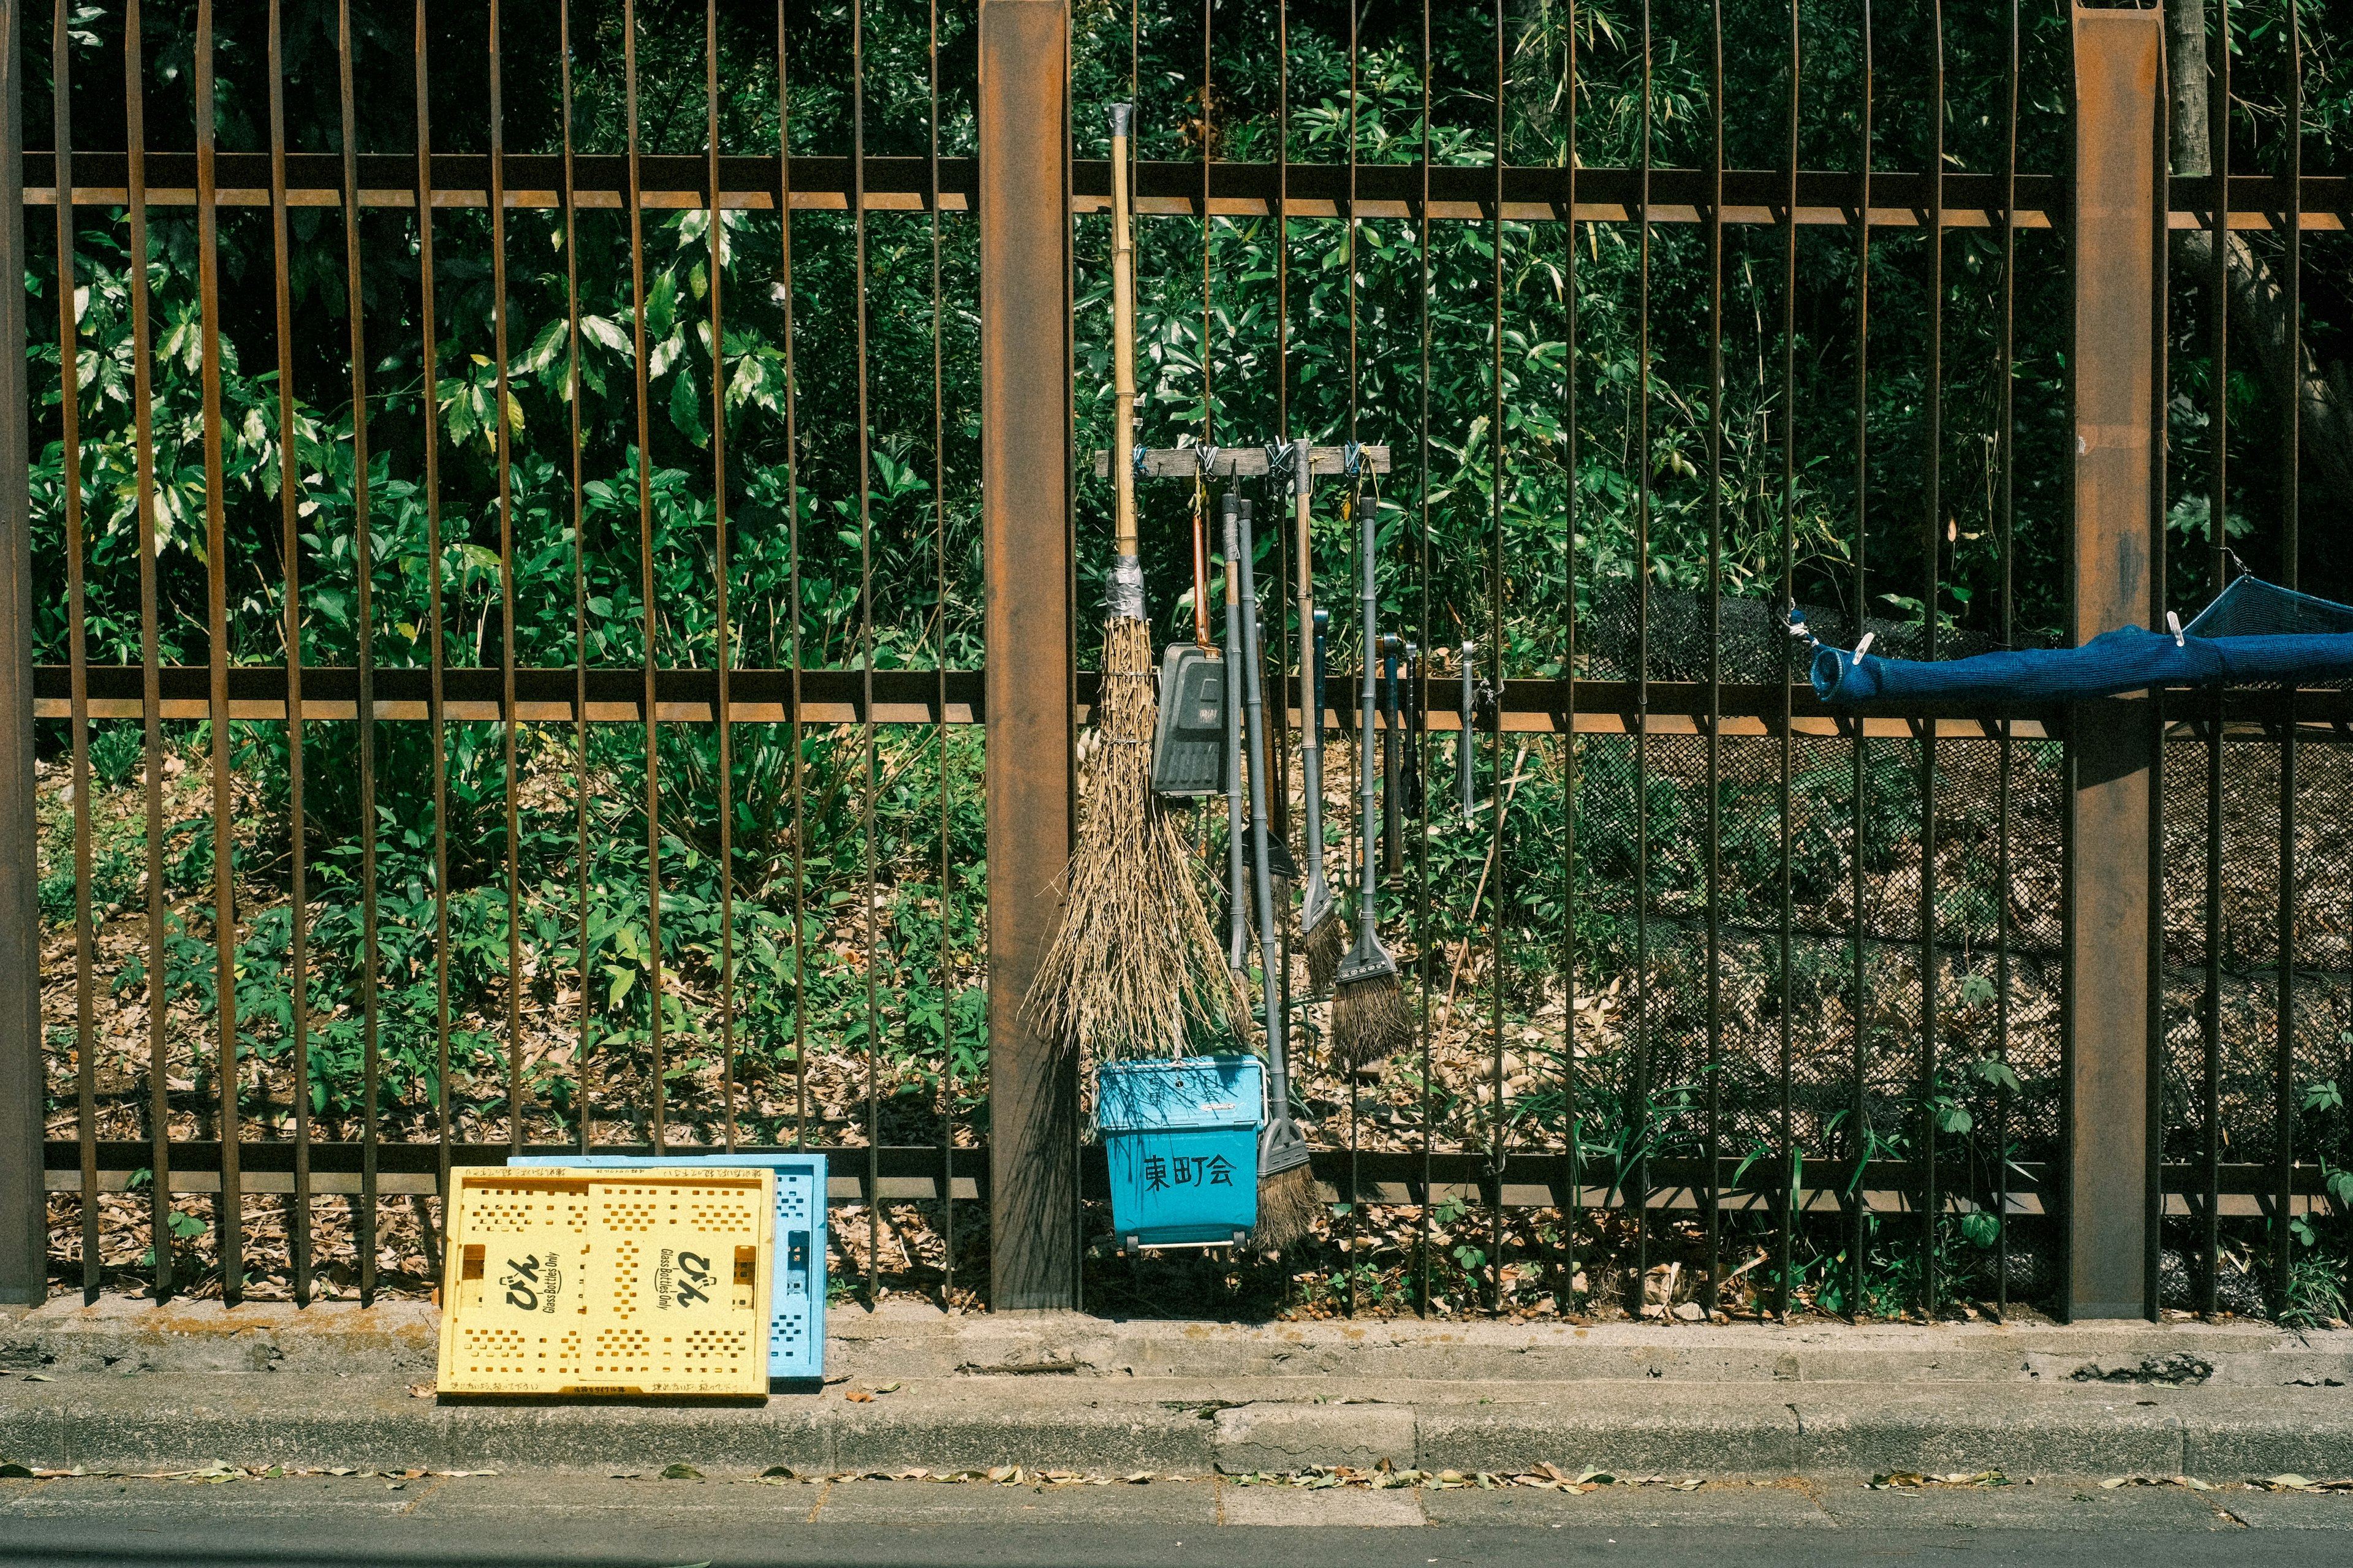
column 1370, row 1020
column 1135, row 963
column 1326, row 944
column 1288, row 1208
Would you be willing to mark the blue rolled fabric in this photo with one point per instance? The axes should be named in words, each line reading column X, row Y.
column 2127, row 659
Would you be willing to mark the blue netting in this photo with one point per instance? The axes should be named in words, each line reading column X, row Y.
column 2253, row 633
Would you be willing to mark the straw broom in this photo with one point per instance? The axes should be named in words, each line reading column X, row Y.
column 1134, row 967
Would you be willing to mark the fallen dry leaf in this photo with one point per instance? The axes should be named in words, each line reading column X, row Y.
column 857, row 1397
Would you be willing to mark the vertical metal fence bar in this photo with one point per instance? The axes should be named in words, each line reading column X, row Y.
column 78, row 644
column 722, row 714
column 1639, row 1196
column 2157, row 416
column 798, row 782
column 2284, row 1109
column 2006, row 762
column 1278, row 800
column 1304, row 476
column 1785, row 1176
column 229, row 1212
column 1496, row 922
column 23, row 1200
column 634, row 199
column 503, row 456
column 1712, row 1198
column 867, row 738
column 151, row 703
column 1931, row 602
column 289, row 499
column 2210, row 1239
column 567, row 197
column 364, row 1215
column 1564, row 1294
column 1860, row 1139
column 948, row 780
column 435, row 709
column 1422, row 472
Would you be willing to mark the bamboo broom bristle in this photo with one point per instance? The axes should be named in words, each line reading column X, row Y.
column 1135, row 966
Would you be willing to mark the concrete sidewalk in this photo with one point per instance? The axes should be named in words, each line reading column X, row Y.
column 123, row 1386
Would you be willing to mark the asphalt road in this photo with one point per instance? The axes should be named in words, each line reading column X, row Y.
column 522, row 1521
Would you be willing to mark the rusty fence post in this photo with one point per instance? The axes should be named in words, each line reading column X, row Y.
column 24, row 1229
column 1026, row 443
column 2112, row 956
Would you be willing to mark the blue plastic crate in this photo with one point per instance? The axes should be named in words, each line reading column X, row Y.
column 1181, row 1141
column 796, row 1300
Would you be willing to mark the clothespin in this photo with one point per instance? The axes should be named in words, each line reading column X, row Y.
column 1137, row 460
column 1797, row 627
column 1352, row 459
column 1205, row 457
column 1862, row 648
column 2173, row 625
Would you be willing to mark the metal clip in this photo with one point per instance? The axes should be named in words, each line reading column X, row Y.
column 2173, row 625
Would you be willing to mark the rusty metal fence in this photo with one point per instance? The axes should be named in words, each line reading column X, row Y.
column 501, row 583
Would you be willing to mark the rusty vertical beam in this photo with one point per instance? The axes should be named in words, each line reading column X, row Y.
column 2110, row 972
column 1026, row 439
column 23, row 1231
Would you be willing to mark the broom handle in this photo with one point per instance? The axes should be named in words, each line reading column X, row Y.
column 1262, row 876
column 1311, row 744
column 1366, row 789
column 1125, row 588
column 1237, row 944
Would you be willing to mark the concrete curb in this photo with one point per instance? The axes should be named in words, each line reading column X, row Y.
column 908, row 1342
column 1185, row 1428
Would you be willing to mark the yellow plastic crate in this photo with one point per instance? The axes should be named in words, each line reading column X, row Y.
column 585, row 1281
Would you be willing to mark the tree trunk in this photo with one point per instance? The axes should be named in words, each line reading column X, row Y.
column 2258, row 299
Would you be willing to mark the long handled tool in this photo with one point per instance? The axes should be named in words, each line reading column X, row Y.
column 1370, row 1016
column 1325, row 931
column 1286, row 1183
column 1134, row 966
column 1320, row 927
column 1236, row 837
column 1392, row 779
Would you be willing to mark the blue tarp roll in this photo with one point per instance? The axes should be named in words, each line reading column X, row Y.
column 2127, row 659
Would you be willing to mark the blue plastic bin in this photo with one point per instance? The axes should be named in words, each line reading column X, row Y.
column 797, row 1294
column 1181, row 1140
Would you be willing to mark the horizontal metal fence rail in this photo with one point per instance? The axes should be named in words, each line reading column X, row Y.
column 1825, row 198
